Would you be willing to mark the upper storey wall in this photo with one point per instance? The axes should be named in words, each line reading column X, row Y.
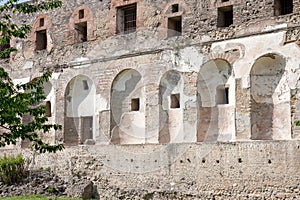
column 68, row 35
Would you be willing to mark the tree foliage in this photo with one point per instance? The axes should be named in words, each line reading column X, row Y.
column 17, row 101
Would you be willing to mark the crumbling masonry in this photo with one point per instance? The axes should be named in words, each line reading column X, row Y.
column 164, row 73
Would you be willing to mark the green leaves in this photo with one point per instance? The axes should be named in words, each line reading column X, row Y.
column 19, row 102
column 25, row 100
column 9, row 29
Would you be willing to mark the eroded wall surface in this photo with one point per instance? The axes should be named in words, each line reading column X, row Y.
column 255, row 169
column 237, row 82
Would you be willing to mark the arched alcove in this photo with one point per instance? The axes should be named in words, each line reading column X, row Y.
column 127, row 108
column 171, row 108
column 215, row 107
column 270, row 107
column 79, row 110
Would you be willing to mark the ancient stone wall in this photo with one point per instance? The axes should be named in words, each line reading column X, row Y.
column 256, row 169
column 226, row 69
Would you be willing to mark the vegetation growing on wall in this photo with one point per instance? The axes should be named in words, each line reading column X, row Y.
column 17, row 101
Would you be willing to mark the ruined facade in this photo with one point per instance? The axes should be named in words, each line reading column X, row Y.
column 135, row 72
column 164, row 72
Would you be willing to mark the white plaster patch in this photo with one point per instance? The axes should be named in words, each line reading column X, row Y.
column 28, row 65
column 55, row 76
column 21, row 81
column 101, row 103
column 190, row 59
column 270, row 28
column 80, row 59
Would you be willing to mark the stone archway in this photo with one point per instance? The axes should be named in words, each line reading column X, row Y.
column 171, row 109
column 127, row 122
column 79, row 110
column 270, row 103
column 215, row 85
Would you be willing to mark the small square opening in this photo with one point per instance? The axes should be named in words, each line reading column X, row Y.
column 175, row 101
column 42, row 22
column 225, row 16
column 48, row 108
column 135, row 104
column 222, row 96
column 85, row 85
column 174, row 26
column 41, row 40
column 81, row 14
column 81, row 32
column 283, row 7
column 175, row 8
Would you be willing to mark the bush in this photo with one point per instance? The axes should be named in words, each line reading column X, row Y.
column 12, row 169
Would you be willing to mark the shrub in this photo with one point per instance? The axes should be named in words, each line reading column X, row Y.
column 12, row 169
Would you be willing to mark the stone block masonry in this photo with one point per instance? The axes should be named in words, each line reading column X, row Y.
column 159, row 97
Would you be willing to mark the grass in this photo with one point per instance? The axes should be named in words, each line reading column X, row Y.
column 35, row 197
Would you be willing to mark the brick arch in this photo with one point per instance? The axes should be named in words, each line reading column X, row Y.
column 215, row 86
column 127, row 107
column 270, row 98
column 226, row 56
column 77, row 19
column 171, row 92
column 42, row 23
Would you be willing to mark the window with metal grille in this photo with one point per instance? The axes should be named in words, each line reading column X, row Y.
column 225, row 16
column 283, row 7
column 126, row 19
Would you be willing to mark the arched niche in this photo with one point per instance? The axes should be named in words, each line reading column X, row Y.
column 171, row 108
column 127, row 108
column 215, row 86
column 26, row 119
column 79, row 110
column 270, row 107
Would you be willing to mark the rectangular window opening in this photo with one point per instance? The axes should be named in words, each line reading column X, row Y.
column 85, row 85
column 175, row 101
column 175, row 8
column 222, row 96
column 283, row 7
column 174, row 26
column 225, row 16
column 135, row 104
column 41, row 40
column 126, row 19
column 81, row 32
column 81, row 14
column 48, row 109
column 42, row 22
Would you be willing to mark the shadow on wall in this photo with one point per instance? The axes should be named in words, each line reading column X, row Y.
column 80, row 97
column 127, row 121
column 267, row 104
column 213, row 100
column 170, row 112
